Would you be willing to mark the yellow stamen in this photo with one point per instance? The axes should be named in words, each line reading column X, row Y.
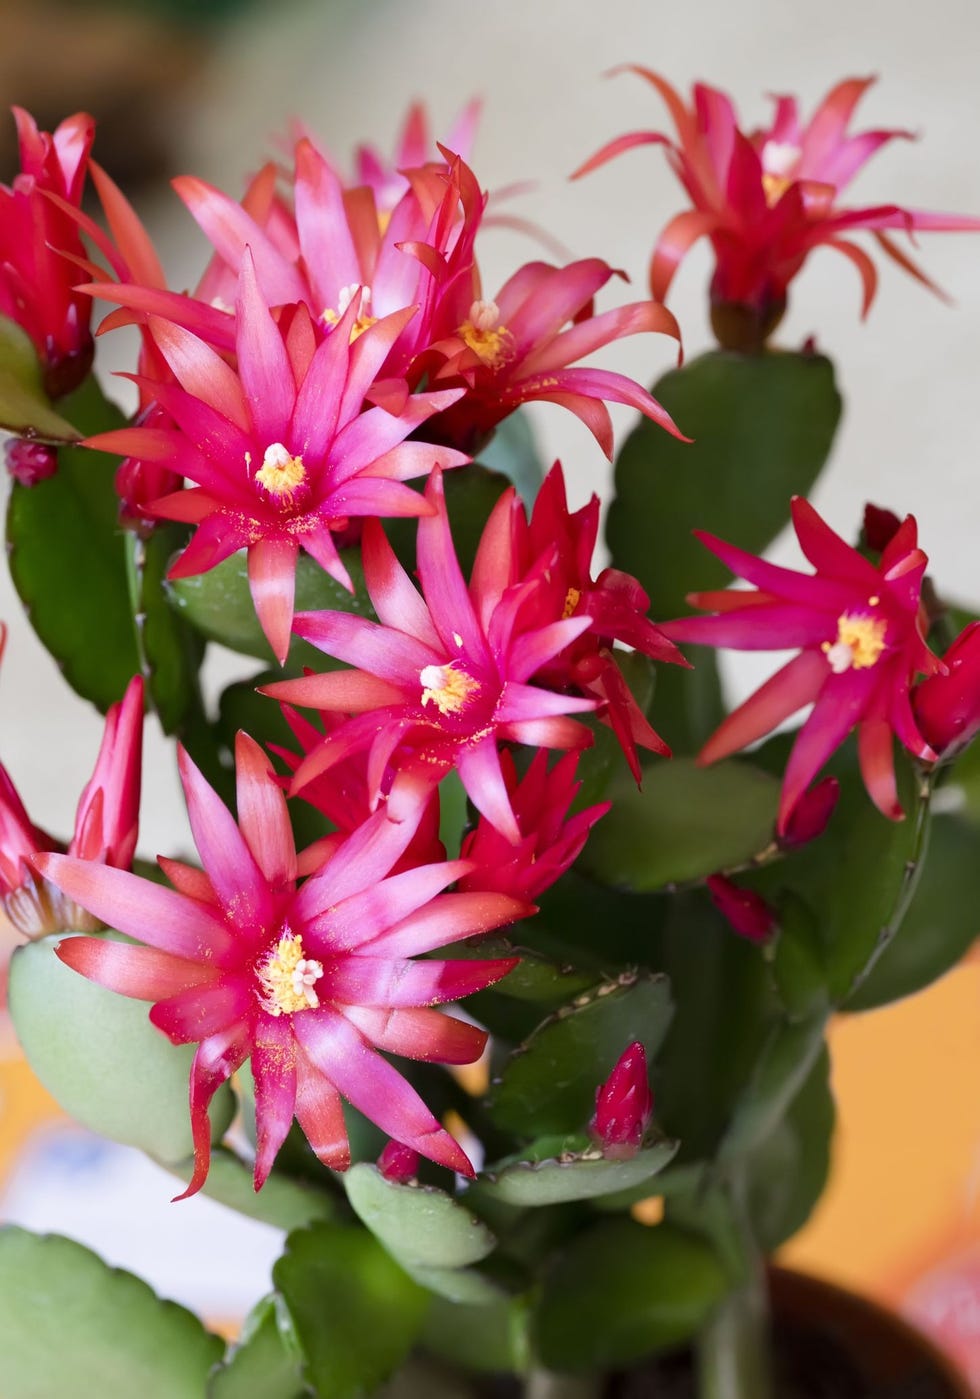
column 860, row 641
column 779, row 162
column 484, row 334
column 447, row 687
column 774, row 187
column 364, row 320
column 281, row 474
column 287, row 978
column 384, row 219
column 572, row 599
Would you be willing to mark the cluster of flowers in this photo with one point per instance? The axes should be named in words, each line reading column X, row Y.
column 339, row 345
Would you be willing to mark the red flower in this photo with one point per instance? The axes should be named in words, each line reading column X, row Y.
column 37, row 283
column 106, row 825
column 281, row 451
column 551, row 841
column 947, row 707
column 859, row 628
column 308, row 980
column 441, row 678
column 615, row 602
column 623, row 1106
column 766, row 199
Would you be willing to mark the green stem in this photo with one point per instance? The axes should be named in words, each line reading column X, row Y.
column 733, row 1350
column 545, row 1384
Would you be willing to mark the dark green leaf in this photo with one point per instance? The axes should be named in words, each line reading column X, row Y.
column 688, row 705
column 513, row 451
column 582, row 1174
column 70, row 1325
column 68, row 563
column 419, row 1225
column 170, row 651
column 549, row 1084
column 355, row 1313
column 219, row 605
column 98, row 1055
column 687, row 822
column 763, row 427
column 488, row 1337
column 798, row 964
column 942, row 921
column 24, row 406
column 787, row 1172
column 788, row 1056
column 622, row 1291
column 260, row 1366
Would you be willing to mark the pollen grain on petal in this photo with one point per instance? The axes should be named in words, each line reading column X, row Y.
column 484, row 334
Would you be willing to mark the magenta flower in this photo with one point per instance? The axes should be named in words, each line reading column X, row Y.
column 309, row 981
column 281, row 452
column 615, row 602
column 623, row 1106
column 859, row 630
column 37, row 282
column 551, row 840
column 521, row 346
column 947, row 707
column 106, row 825
column 443, row 677
column 811, row 815
column 766, row 199
column 746, row 911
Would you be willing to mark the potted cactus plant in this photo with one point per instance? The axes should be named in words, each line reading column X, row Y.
column 507, row 945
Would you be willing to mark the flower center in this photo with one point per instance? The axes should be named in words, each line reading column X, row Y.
column 860, row 641
column 346, row 295
column 287, row 978
column 281, row 474
column 484, row 335
column 779, row 160
column 448, row 687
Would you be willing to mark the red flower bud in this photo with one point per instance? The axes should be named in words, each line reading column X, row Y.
column 30, row 462
column 399, row 1163
column 623, row 1106
column 947, row 707
column 810, row 815
column 747, row 912
column 880, row 527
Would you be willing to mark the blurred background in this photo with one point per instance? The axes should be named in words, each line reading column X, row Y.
column 207, row 86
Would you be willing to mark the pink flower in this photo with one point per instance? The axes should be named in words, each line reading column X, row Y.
column 308, row 980
column 766, row 199
column 442, row 678
column 747, row 912
column 519, row 347
column 37, row 283
column 947, row 707
column 281, row 452
column 415, row 147
column 551, row 841
column 860, row 633
column 623, row 1106
column 106, row 825
column 615, row 602
column 811, row 815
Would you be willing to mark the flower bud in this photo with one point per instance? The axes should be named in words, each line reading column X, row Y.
column 810, row 815
column 947, row 707
column 623, row 1106
column 880, row 526
column 29, row 462
column 747, row 912
column 399, row 1163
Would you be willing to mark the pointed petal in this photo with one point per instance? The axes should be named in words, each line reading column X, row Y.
column 216, row 1060
column 262, row 813
column 274, row 1073
column 841, row 704
column 140, row 972
column 320, row 1113
column 272, row 583
column 419, row 1033
column 796, row 684
column 230, row 864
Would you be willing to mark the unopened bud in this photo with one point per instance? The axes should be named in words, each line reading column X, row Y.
column 747, row 912
column 880, row 527
column 623, row 1106
column 30, row 462
column 810, row 815
column 399, row 1163
column 947, row 707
